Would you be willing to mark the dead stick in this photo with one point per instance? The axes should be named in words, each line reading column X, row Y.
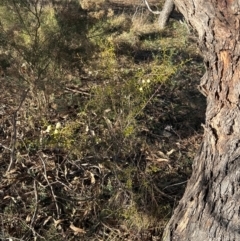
column 14, row 136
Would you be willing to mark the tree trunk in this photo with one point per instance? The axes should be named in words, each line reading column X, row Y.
column 210, row 207
column 165, row 13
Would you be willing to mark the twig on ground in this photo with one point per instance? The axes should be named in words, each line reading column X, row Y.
column 176, row 184
column 35, row 234
column 5, row 147
column 14, row 135
column 78, row 91
column 51, row 188
column 36, row 203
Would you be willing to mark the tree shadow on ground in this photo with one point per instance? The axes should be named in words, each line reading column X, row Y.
column 174, row 133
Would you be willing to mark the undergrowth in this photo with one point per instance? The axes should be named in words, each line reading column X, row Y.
column 98, row 111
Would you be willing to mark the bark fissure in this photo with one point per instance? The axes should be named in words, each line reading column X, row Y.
column 210, row 207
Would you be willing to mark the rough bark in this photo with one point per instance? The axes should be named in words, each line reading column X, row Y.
column 210, row 207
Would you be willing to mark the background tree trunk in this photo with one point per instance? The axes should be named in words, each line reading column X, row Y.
column 210, row 207
column 165, row 13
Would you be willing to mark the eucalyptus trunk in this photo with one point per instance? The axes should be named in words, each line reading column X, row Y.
column 210, row 207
